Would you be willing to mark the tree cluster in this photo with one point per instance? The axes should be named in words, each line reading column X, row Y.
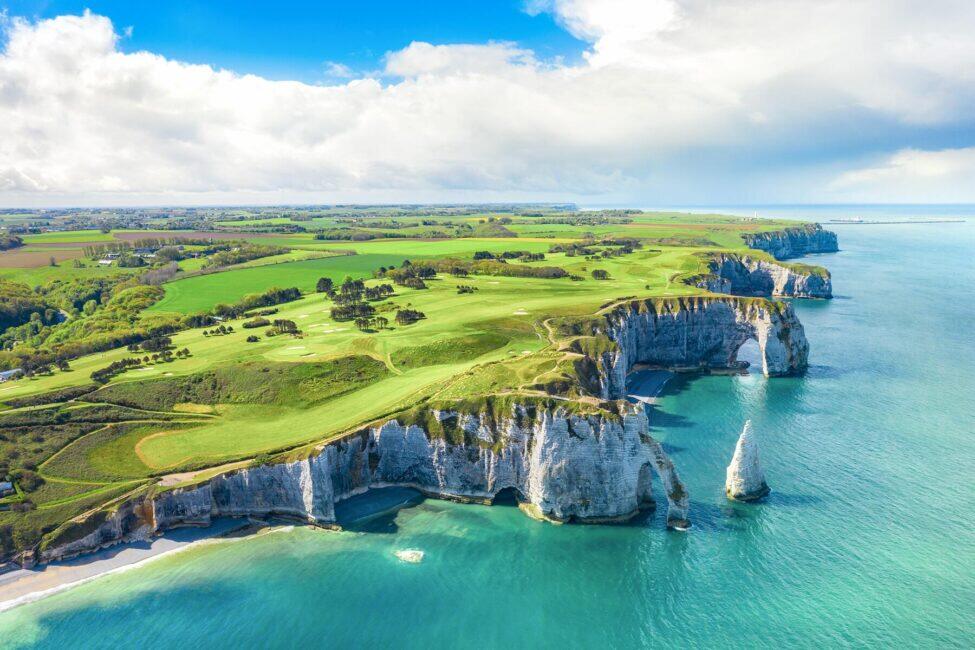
column 222, row 330
column 409, row 316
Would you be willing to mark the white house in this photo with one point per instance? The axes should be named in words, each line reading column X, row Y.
column 7, row 375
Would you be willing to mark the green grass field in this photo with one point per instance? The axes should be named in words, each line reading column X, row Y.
column 68, row 237
column 499, row 321
column 202, row 292
column 232, row 400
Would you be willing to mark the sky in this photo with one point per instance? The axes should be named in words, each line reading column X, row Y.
column 610, row 102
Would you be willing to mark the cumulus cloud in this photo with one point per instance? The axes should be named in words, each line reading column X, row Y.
column 673, row 100
column 910, row 175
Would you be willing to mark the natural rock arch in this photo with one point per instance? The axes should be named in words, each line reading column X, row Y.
column 700, row 333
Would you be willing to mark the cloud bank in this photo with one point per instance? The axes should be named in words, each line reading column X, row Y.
column 688, row 101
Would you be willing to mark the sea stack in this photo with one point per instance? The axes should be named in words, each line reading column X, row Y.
column 745, row 479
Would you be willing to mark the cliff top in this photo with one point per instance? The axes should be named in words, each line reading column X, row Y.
column 498, row 327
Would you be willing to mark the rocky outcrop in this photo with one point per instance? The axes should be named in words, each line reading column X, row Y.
column 745, row 480
column 743, row 275
column 563, row 464
column 697, row 334
column 794, row 242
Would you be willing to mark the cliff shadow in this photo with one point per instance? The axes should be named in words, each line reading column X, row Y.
column 660, row 419
column 375, row 511
column 726, row 516
column 679, row 382
column 819, row 371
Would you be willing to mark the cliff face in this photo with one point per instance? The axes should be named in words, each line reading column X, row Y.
column 562, row 466
column 702, row 333
column 794, row 242
column 747, row 276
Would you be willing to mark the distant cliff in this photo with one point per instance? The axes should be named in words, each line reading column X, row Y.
column 746, row 275
column 794, row 242
column 564, row 462
column 692, row 333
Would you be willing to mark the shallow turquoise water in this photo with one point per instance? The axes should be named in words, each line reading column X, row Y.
column 866, row 540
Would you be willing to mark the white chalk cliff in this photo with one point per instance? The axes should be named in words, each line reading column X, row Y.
column 745, row 480
column 794, row 242
column 563, row 466
column 698, row 333
column 743, row 275
column 586, row 458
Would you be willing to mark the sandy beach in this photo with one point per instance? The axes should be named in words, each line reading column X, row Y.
column 27, row 585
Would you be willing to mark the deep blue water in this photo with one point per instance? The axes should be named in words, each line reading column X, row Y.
column 866, row 540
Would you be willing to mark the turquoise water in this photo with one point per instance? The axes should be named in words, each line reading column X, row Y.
column 866, row 540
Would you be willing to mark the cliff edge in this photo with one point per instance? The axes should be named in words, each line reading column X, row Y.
column 794, row 242
column 586, row 464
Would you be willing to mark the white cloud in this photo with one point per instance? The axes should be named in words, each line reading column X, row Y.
column 335, row 70
column 674, row 101
column 912, row 175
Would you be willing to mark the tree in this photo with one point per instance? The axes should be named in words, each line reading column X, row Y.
column 324, row 285
column 600, row 274
column 52, row 261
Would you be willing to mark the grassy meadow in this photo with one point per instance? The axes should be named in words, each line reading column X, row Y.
column 232, row 400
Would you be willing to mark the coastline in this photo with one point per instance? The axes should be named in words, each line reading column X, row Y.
column 23, row 586
column 645, row 385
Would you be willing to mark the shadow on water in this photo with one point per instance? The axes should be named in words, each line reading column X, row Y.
column 792, row 500
column 661, row 418
column 730, row 516
column 679, row 382
column 672, row 449
column 375, row 511
column 816, row 371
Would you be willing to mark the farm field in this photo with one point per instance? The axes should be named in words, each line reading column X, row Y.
column 67, row 237
column 246, row 393
column 202, row 292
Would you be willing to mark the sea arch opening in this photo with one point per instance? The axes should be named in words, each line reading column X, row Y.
column 749, row 357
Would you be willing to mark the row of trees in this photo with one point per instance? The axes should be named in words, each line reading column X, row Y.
column 104, row 375
column 273, row 296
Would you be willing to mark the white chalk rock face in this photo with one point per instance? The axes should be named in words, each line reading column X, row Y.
column 562, row 466
column 745, row 479
column 743, row 275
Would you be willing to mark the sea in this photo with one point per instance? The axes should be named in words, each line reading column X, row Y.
column 866, row 540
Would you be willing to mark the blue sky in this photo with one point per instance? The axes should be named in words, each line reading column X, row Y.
column 293, row 40
column 645, row 102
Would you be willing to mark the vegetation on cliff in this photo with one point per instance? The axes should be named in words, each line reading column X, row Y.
column 526, row 335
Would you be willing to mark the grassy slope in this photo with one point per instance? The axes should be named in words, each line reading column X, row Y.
column 469, row 344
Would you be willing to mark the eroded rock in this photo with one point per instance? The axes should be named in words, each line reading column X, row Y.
column 745, row 480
